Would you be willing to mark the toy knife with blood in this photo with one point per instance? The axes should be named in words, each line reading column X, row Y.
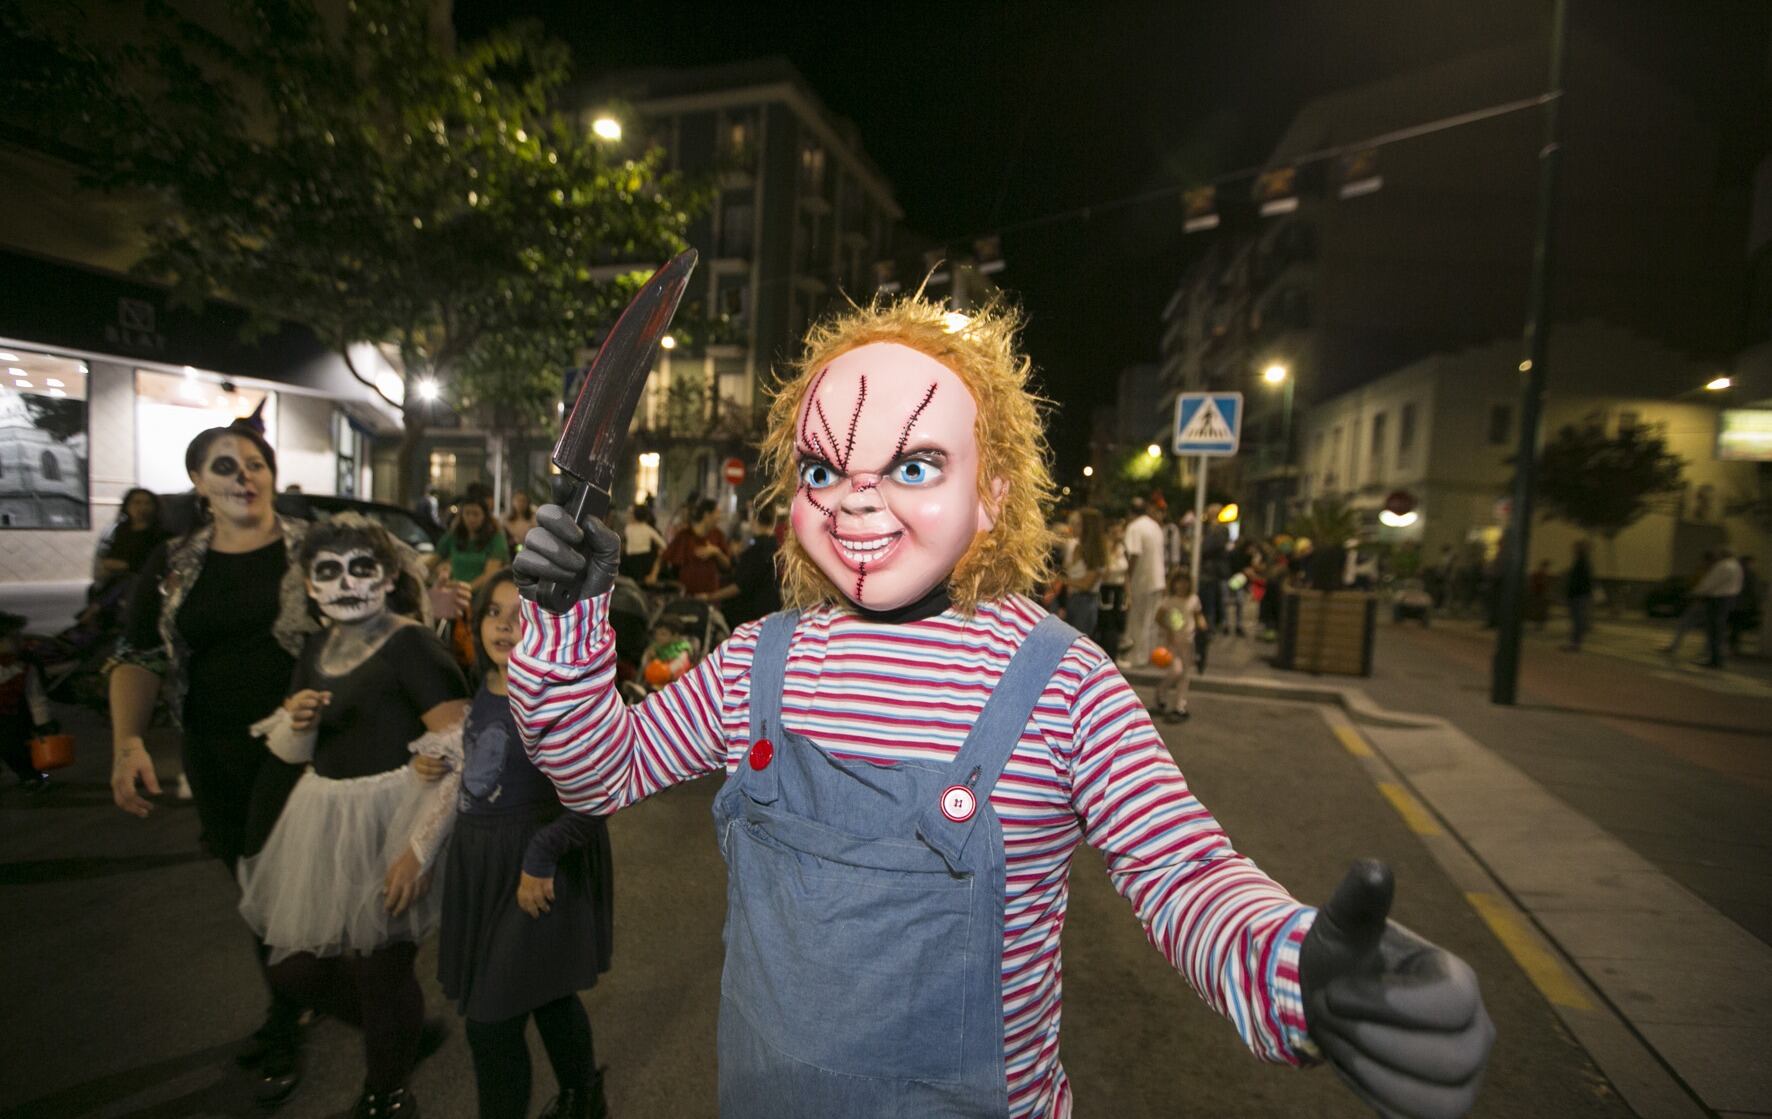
column 591, row 440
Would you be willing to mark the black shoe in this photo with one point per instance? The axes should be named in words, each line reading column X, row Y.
column 397, row 1104
column 278, row 1027
column 579, row 1103
column 1180, row 716
column 279, row 1071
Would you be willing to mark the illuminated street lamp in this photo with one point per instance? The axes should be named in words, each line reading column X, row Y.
column 428, row 390
column 1718, row 384
column 606, row 128
column 1089, row 472
column 1277, row 373
column 668, row 342
column 1154, row 451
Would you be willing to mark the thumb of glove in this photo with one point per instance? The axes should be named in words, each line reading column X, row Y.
column 1347, row 930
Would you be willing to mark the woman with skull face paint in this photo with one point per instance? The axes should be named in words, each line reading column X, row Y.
column 211, row 619
column 340, row 891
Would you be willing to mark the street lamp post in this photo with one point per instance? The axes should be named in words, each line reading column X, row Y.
column 1504, row 680
column 1278, row 374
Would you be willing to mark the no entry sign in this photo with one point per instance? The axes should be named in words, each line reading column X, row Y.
column 733, row 471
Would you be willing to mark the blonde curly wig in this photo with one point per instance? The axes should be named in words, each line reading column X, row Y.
column 1015, row 554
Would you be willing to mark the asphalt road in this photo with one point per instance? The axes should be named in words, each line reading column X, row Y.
column 128, row 978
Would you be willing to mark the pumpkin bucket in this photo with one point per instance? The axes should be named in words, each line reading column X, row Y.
column 52, row 751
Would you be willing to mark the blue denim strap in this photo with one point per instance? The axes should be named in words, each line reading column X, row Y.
column 994, row 737
column 769, row 664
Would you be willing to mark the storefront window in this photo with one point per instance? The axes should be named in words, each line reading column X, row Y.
column 43, row 441
column 171, row 408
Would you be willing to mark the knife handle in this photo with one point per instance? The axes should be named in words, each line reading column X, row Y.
column 581, row 500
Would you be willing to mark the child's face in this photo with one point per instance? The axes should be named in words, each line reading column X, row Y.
column 498, row 629
column 663, row 634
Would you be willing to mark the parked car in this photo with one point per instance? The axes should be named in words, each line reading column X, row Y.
column 1410, row 599
column 178, row 512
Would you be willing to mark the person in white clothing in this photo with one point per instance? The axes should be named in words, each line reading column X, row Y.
column 1716, row 591
column 1144, row 583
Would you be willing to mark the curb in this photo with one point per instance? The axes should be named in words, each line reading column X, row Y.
column 1352, row 700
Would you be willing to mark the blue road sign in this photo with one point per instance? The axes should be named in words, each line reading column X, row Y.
column 1208, row 423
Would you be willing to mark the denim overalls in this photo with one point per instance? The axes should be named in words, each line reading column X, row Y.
column 864, row 920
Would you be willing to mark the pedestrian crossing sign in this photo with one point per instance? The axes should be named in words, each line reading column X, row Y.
column 1208, row 423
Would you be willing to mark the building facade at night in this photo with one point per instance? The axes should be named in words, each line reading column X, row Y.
column 800, row 217
column 1442, row 432
column 1433, row 256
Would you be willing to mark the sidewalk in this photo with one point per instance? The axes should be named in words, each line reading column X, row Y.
column 1625, row 807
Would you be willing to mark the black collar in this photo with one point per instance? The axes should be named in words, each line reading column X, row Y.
column 928, row 606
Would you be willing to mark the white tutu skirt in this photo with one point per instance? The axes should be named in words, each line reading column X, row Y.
column 317, row 886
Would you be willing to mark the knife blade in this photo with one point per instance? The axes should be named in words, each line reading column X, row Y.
column 591, row 439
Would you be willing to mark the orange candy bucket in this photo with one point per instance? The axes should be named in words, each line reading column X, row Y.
column 52, row 751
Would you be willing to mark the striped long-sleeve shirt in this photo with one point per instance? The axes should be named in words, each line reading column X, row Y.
column 1089, row 767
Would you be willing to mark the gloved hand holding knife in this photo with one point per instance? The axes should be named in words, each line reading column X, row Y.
column 571, row 555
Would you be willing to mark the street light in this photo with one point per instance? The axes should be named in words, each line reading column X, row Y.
column 428, row 390
column 1089, row 472
column 1719, row 384
column 606, row 128
column 1154, row 451
column 668, row 342
column 1277, row 373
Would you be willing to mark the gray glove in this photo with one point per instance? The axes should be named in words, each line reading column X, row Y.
column 1399, row 1019
column 562, row 563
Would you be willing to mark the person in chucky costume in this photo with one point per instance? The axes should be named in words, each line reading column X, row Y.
column 914, row 750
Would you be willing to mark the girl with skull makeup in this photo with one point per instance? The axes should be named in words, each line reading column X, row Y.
column 340, row 891
column 212, row 621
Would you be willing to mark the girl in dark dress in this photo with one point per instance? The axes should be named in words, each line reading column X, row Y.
column 527, row 903
column 340, row 890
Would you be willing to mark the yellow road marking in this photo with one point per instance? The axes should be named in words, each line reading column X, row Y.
column 1351, row 739
column 1417, row 817
column 1545, row 971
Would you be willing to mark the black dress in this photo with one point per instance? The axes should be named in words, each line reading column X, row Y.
column 237, row 673
column 494, row 960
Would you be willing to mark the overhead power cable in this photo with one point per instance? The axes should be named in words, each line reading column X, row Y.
column 1408, row 133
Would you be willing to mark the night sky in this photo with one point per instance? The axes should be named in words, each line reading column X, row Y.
column 994, row 117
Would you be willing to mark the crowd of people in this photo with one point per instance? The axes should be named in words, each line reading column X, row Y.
column 366, row 786
column 1125, row 580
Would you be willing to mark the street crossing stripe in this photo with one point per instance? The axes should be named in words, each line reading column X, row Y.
column 1546, row 972
column 1351, row 739
column 1417, row 817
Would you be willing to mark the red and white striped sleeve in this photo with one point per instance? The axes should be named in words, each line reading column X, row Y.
column 601, row 754
column 1232, row 931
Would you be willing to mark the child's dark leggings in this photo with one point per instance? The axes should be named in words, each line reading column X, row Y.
column 501, row 1055
column 378, row 992
column 15, row 748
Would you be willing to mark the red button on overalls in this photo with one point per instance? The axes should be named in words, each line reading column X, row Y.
column 762, row 753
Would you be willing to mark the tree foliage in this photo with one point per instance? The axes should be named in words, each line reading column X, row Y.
column 1604, row 484
column 365, row 179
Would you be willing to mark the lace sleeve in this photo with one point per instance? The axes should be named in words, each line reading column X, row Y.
column 294, row 746
column 436, row 815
